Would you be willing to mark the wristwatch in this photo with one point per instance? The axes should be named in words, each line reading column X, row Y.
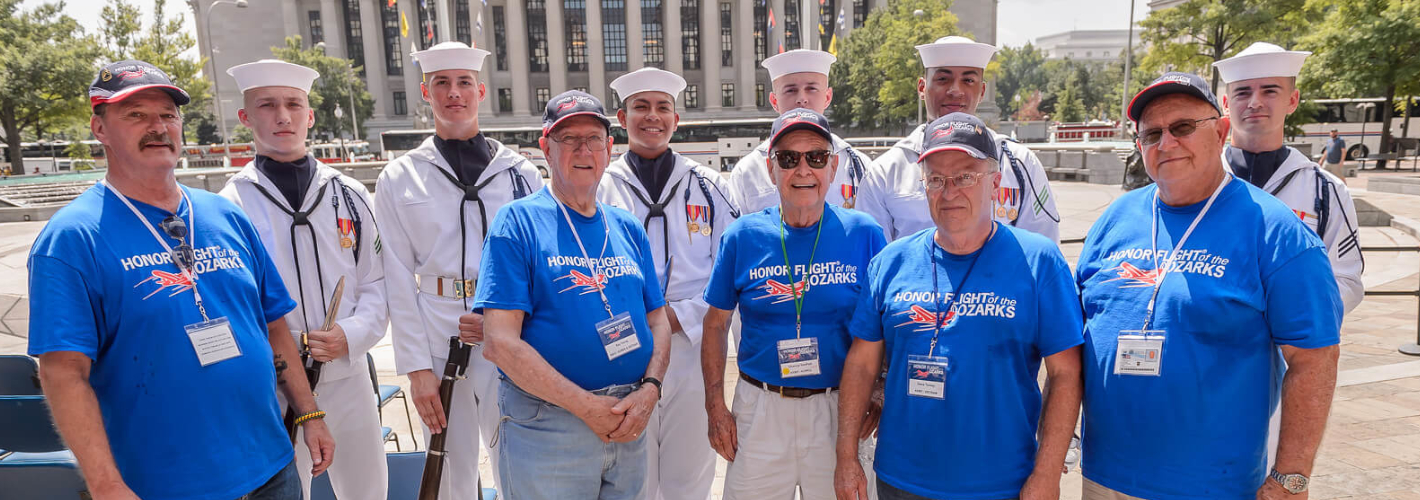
column 1293, row 483
column 653, row 381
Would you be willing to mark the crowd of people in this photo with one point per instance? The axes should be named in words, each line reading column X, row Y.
column 894, row 313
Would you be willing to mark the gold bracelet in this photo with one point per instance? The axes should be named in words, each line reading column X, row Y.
column 309, row 417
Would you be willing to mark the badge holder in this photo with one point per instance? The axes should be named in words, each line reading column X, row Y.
column 213, row 341
column 1139, row 352
column 798, row 357
column 927, row 376
column 618, row 335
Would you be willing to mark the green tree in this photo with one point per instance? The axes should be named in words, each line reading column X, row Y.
column 1365, row 48
column 1191, row 36
column 1019, row 73
column 46, row 62
column 163, row 43
column 120, row 23
column 80, row 154
column 876, row 77
column 1069, row 105
column 337, row 80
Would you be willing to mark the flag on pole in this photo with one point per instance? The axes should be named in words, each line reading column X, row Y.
column 820, row 29
column 478, row 21
column 771, row 19
column 429, row 33
column 403, row 26
column 840, row 18
column 833, row 45
column 390, row 4
column 781, row 47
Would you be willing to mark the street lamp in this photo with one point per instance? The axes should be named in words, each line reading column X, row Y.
column 339, row 113
column 921, row 101
column 1365, row 109
column 212, row 58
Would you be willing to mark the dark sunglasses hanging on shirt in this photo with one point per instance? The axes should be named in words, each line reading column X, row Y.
column 182, row 255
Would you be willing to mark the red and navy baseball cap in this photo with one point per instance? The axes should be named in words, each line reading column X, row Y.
column 1173, row 82
column 569, row 104
column 958, row 132
column 799, row 119
column 121, row 79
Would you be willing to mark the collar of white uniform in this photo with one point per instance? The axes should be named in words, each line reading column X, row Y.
column 622, row 169
column 503, row 158
column 323, row 174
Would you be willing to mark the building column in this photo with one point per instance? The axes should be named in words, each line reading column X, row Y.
column 710, row 53
column 407, row 45
column 777, row 39
column 596, row 52
column 292, row 20
column 479, row 11
column 556, row 47
column 333, row 29
column 518, row 64
column 810, row 26
column 675, row 53
column 635, row 37
column 745, row 58
column 444, row 21
column 372, row 38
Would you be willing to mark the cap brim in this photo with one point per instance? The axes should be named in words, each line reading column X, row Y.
column 179, row 96
column 601, row 118
column 802, row 126
column 973, row 152
column 1160, row 89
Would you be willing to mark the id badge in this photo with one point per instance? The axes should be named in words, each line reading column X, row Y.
column 618, row 335
column 927, row 376
column 213, row 341
column 798, row 357
column 1140, row 352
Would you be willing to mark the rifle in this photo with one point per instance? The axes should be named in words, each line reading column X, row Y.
column 313, row 371
column 434, row 459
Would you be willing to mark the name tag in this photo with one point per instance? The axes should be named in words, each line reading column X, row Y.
column 1139, row 352
column 213, row 341
column 798, row 357
column 618, row 335
column 927, row 376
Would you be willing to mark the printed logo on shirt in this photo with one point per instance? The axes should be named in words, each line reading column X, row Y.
column 822, row 273
column 781, row 292
column 178, row 282
column 208, row 259
column 922, row 316
column 610, row 267
column 587, row 283
column 925, row 320
column 1198, row 261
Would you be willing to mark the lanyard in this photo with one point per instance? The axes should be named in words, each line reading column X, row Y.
column 191, row 234
column 592, row 266
column 1163, row 271
column 799, row 292
column 944, row 308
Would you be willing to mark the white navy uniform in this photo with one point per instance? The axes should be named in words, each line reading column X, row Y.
column 893, row 193
column 1313, row 194
column 752, row 190
column 425, row 244
column 346, row 243
column 696, row 212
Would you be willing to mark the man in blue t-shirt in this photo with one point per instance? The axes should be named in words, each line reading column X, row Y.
column 794, row 271
column 156, row 315
column 1333, row 154
column 574, row 318
column 1190, row 316
column 963, row 313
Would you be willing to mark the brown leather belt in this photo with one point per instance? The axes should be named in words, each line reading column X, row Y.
column 788, row 392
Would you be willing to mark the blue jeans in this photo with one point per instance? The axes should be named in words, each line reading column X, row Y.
column 285, row 485
column 890, row 492
column 546, row 453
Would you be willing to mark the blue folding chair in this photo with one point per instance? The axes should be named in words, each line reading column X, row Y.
column 42, row 475
column 405, row 470
column 387, row 393
column 27, row 426
column 19, row 376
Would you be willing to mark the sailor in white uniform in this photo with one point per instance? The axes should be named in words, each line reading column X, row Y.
column 684, row 209
column 436, row 202
column 318, row 227
column 799, row 79
column 1261, row 90
column 954, row 81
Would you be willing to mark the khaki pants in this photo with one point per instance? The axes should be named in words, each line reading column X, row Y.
column 1337, row 169
column 1090, row 490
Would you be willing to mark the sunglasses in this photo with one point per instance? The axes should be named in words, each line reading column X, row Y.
column 789, row 160
column 183, row 256
column 1178, row 130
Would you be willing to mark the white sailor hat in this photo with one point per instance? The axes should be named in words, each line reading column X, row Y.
column 1261, row 60
column 273, row 73
column 648, row 80
column 449, row 55
column 798, row 61
column 956, row 51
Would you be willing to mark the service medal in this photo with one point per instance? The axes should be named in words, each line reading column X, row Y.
column 705, row 230
column 1013, row 213
column 346, row 243
column 694, row 227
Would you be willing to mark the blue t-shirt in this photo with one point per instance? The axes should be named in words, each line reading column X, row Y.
column 1334, row 148
column 531, row 263
column 750, row 274
column 1249, row 278
column 1016, row 306
column 102, row 286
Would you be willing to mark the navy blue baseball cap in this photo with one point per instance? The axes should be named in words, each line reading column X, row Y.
column 958, row 132
column 1173, row 82
column 121, row 79
column 799, row 119
column 569, row 104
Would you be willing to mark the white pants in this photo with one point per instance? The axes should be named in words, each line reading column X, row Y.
column 784, row 443
column 352, row 415
column 475, row 407
column 677, row 448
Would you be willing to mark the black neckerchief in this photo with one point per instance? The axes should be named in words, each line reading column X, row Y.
column 1256, row 168
column 291, row 178
column 654, row 173
column 467, row 157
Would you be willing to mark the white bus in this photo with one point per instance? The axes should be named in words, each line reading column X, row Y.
column 1358, row 122
column 717, row 144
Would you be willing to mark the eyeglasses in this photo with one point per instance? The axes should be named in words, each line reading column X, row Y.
column 594, row 143
column 966, row 180
column 183, row 256
column 1178, row 130
column 789, row 160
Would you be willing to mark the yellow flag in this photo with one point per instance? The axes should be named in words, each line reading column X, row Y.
column 403, row 26
column 833, row 45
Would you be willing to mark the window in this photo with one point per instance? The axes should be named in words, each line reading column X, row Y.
column 860, row 13
column 690, row 34
column 537, row 36
column 791, row 24
column 462, row 31
column 727, row 95
column 760, row 98
column 543, row 95
column 826, row 21
column 1089, row 53
column 692, row 96
column 1106, row 53
column 354, row 38
column 727, row 35
column 761, row 39
column 428, row 23
column 400, row 107
column 505, row 100
column 653, row 34
column 574, row 29
column 614, row 34
column 317, row 35
column 500, row 38
column 394, row 60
